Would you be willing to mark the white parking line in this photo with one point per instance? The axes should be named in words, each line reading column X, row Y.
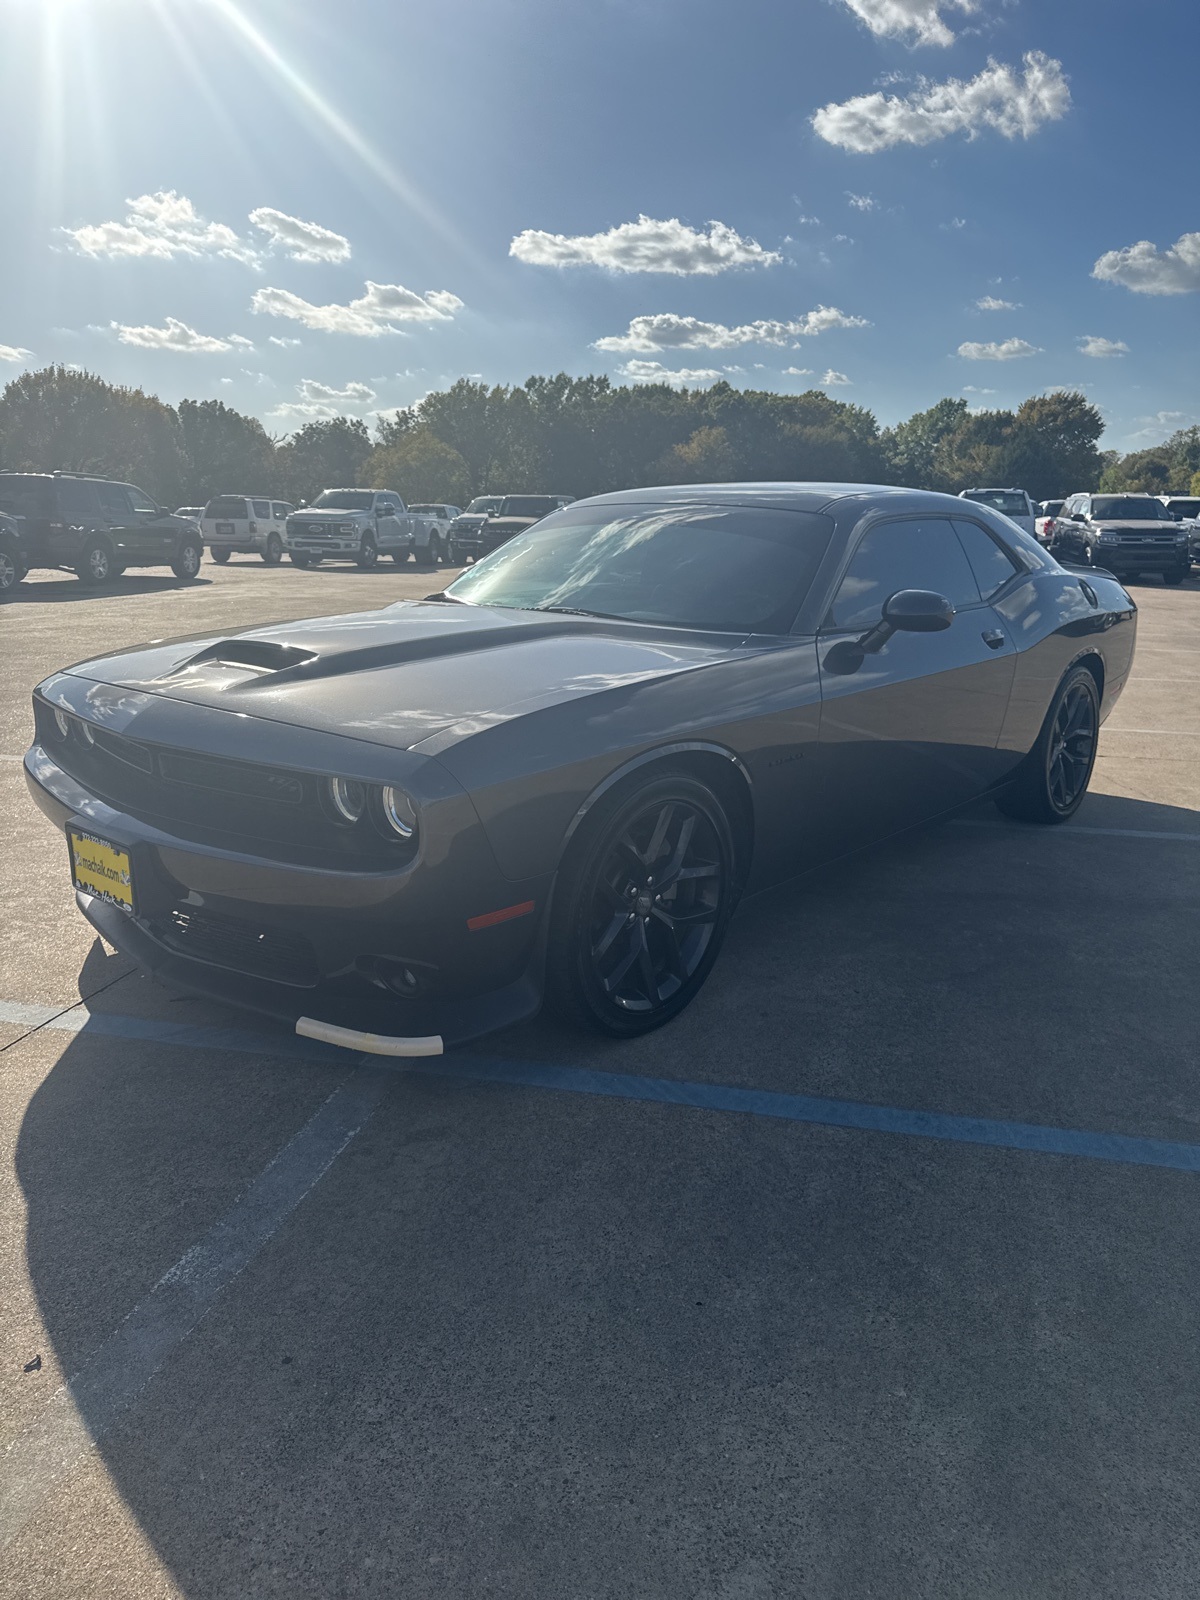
column 1074, row 828
column 86, row 1407
column 1175, row 733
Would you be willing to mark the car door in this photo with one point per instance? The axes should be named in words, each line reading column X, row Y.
column 157, row 530
column 913, row 729
column 121, row 525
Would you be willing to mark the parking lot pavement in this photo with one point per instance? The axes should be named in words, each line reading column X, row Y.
column 871, row 1275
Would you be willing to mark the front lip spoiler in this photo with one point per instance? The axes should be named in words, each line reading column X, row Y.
column 375, row 1044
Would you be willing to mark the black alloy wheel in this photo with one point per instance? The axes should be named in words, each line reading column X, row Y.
column 1054, row 776
column 221, row 557
column 95, row 564
column 11, row 573
column 368, row 552
column 641, row 908
column 186, row 564
column 273, row 554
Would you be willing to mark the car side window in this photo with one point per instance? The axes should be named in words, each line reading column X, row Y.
column 990, row 562
column 141, row 503
column 262, row 508
column 279, row 511
column 924, row 553
column 76, row 500
column 114, row 502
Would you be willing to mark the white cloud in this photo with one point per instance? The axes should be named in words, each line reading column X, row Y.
column 990, row 303
column 162, row 225
column 797, row 372
column 915, row 21
column 862, row 202
column 1091, row 344
column 999, row 98
column 1008, row 350
column 655, row 372
column 178, row 336
column 319, row 400
column 970, row 388
column 833, row 380
column 954, row 225
column 1145, row 269
column 14, row 352
column 646, row 245
column 666, row 331
column 378, row 311
column 303, row 241
column 284, row 344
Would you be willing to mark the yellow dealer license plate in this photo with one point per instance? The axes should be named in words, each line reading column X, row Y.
column 100, row 868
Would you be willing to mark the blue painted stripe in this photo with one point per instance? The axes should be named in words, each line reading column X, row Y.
column 812, row 1109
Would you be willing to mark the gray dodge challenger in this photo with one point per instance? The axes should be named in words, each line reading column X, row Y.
column 400, row 829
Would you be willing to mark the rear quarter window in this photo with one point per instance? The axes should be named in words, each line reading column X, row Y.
column 229, row 507
column 991, row 564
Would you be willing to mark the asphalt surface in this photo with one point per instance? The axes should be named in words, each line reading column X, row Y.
column 873, row 1275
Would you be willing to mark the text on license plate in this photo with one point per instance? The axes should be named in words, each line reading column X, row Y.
column 224, row 527
column 100, row 868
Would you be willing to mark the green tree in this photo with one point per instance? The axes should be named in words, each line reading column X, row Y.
column 330, row 454
column 1143, row 471
column 420, row 467
column 224, row 452
column 916, row 450
column 707, row 457
column 75, row 421
column 1194, row 486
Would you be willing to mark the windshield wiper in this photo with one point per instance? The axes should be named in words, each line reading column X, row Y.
column 578, row 611
column 450, row 599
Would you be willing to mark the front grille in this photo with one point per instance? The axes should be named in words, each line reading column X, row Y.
column 1139, row 541
column 223, row 941
column 231, row 805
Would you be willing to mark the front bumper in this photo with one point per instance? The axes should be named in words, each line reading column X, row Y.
column 289, row 941
column 1120, row 558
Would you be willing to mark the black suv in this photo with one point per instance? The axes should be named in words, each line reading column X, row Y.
column 515, row 513
column 97, row 526
column 1129, row 534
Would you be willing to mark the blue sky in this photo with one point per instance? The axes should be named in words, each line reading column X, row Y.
column 995, row 197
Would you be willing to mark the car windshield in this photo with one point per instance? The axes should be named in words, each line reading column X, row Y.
column 484, row 502
column 344, row 500
column 226, row 505
column 1005, row 500
column 727, row 568
column 526, row 505
column 25, row 497
column 1051, row 508
column 1129, row 508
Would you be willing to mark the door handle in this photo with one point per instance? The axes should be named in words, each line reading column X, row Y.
column 994, row 638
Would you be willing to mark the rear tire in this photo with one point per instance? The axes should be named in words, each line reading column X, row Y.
column 368, row 553
column 96, row 562
column 641, row 907
column 221, row 557
column 186, row 564
column 273, row 554
column 1053, row 779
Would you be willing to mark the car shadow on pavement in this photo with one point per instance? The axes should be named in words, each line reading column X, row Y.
column 56, row 591
column 540, row 1344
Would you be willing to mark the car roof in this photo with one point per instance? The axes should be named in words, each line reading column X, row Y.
column 781, row 496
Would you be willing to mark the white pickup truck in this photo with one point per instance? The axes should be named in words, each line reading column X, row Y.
column 358, row 525
column 433, row 540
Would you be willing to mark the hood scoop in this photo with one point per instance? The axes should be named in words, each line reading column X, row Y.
column 255, row 655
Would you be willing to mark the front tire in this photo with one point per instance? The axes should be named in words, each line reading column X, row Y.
column 11, row 573
column 1176, row 577
column 298, row 559
column 642, row 906
column 273, row 554
column 368, row 553
column 96, row 562
column 221, row 557
column 1053, row 779
column 186, row 564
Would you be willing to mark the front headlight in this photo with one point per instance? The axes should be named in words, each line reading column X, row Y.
column 62, row 722
column 345, row 527
column 399, row 812
column 1108, row 536
column 348, row 798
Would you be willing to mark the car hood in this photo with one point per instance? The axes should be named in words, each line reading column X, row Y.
column 402, row 675
column 1135, row 525
column 325, row 516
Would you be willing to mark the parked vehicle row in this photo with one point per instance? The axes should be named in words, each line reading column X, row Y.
column 1126, row 534
column 513, row 514
column 235, row 524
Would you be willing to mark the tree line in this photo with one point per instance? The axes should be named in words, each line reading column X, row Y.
column 567, row 435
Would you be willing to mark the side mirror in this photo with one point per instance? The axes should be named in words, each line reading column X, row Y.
column 387, row 511
column 908, row 611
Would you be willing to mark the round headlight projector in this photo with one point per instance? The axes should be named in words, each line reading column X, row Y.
column 398, row 812
column 349, row 798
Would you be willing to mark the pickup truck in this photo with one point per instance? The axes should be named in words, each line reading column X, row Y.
column 433, row 538
column 358, row 525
